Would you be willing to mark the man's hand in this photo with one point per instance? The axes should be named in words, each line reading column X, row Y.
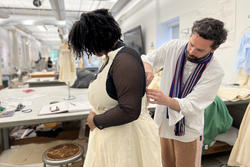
column 91, row 120
column 156, row 97
column 149, row 73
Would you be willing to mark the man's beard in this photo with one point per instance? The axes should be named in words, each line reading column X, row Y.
column 194, row 59
column 191, row 57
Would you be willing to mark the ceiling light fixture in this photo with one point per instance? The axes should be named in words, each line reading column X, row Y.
column 41, row 28
column 37, row 3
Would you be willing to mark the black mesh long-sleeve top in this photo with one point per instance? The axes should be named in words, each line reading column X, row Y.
column 125, row 83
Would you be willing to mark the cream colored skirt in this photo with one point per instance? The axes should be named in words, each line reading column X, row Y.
column 136, row 144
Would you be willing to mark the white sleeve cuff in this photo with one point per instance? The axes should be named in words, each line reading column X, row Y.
column 145, row 59
column 174, row 116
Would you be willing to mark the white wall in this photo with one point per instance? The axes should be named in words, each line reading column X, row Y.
column 158, row 11
column 146, row 18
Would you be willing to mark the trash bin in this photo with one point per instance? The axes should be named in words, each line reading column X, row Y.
column 5, row 81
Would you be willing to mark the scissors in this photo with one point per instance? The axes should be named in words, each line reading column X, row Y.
column 28, row 110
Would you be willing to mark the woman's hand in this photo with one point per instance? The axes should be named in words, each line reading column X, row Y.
column 91, row 123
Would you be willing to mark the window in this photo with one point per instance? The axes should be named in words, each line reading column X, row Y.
column 167, row 31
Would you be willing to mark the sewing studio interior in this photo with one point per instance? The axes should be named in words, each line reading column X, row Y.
column 124, row 83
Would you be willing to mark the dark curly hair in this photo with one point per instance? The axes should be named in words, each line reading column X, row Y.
column 211, row 29
column 96, row 31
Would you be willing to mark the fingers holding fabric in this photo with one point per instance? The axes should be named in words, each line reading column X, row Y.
column 156, row 96
column 149, row 77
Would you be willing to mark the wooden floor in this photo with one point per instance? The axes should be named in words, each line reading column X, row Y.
column 64, row 135
column 215, row 156
column 217, row 148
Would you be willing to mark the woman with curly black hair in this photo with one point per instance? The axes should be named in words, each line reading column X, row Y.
column 122, row 131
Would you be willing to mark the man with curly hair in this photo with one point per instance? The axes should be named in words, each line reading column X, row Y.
column 190, row 80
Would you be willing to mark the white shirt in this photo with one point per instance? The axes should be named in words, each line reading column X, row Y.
column 1, row 82
column 193, row 105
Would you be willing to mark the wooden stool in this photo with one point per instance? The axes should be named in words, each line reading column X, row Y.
column 1, row 87
column 62, row 154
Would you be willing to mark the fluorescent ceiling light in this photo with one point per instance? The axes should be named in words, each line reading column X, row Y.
column 28, row 22
column 32, row 22
column 41, row 28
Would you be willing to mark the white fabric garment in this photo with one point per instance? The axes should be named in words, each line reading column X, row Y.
column 67, row 72
column 193, row 105
column 81, row 63
column 1, row 80
column 135, row 144
column 240, row 153
column 234, row 93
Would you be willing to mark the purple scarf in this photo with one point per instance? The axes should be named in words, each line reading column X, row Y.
column 177, row 90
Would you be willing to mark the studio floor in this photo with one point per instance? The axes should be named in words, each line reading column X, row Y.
column 215, row 160
column 29, row 156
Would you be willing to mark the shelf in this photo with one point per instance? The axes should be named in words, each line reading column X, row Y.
column 217, row 148
column 64, row 135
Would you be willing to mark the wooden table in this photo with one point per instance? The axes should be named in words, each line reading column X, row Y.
column 44, row 81
column 42, row 74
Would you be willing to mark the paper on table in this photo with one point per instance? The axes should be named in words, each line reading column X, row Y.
column 8, row 112
column 65, row 107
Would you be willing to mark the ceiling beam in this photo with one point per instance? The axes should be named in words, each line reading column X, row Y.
column 7, row 12
column 58, row 8
column 118, row 6
column 133, row 7
column 27, row 10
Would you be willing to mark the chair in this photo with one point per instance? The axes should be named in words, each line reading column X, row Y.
column 62, row 154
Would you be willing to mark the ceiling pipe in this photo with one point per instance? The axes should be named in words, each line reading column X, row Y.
column 118, row 6
column 131, row 9
column 58, row 9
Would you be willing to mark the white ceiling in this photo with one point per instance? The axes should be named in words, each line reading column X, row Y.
column 44, row 19
column 23, row 4
column 76, row 5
